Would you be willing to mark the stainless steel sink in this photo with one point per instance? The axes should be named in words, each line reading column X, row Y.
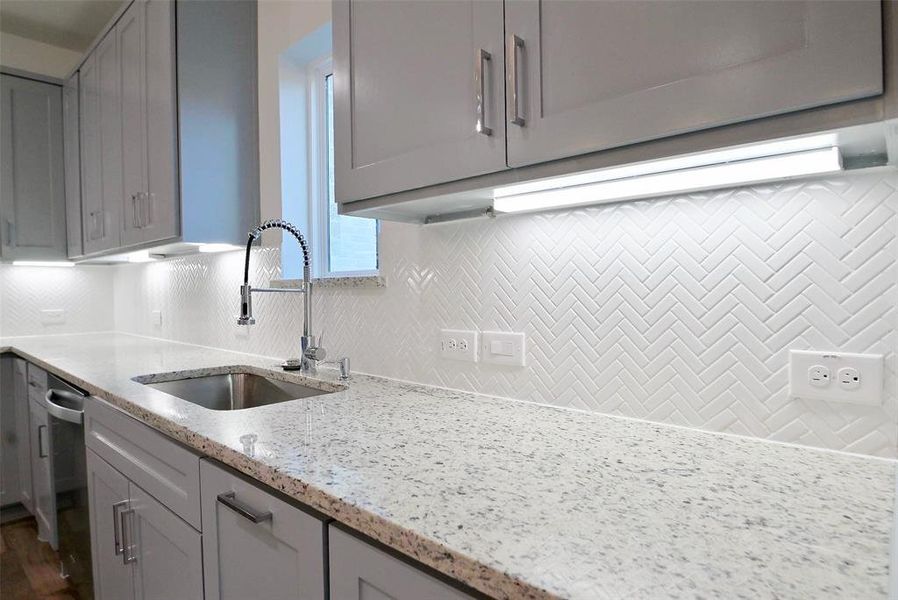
column 235, row 391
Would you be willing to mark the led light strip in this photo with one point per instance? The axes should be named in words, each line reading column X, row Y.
column 601, row 189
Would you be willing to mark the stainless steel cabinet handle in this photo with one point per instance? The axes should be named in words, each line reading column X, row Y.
column 134, row 224
column 10, row 233
column 40, row 441
column 116, row 527
column 479, row 85
column 230, row 500
column 514, row 42
column 128, row 555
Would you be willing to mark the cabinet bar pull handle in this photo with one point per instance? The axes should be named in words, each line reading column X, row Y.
column 230, row 500
column 479, row 85
column 116, row 527
column 134, row 224
column 10, row 233
column 514, row 42
column 128, row 555
column 40, row 441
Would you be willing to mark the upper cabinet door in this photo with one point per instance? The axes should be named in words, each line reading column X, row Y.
column 131, row 40
column 145, row 36
column 101, row 149
column 407, row 93
column 32, row 200
column 71, row 142
column 595, row 75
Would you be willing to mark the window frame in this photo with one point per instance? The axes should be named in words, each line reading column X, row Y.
column 319, row 215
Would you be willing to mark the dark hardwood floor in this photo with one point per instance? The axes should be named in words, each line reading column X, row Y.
column 30, row 568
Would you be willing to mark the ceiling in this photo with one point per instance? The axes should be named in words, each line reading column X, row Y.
column 71, row 24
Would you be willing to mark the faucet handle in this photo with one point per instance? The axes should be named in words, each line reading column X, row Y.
column 344, row 368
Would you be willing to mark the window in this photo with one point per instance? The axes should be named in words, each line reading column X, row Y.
column 344, row 246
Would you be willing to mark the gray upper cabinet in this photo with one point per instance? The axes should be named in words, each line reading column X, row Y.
column 587, row 85
column 168, row 128
column 71, row 140
column 595, row 75
column 32, row 199
column 408, row 94
column 101, row 147
column 145, row 35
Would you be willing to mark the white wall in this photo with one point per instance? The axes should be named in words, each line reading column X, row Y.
column 678, row 310
column 36, row 57
column 281, row 24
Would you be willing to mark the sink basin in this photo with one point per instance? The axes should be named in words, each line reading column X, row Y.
column 234, row 391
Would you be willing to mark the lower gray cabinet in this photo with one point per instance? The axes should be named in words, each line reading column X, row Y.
column 10, row 436
column 23, row 428
column 256, row 545
column 108, row 492
column 165, row 552
column 42, row 473
column 140, row 549
column 359, row 571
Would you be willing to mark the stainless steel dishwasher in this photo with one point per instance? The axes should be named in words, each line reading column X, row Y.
column 68, row 482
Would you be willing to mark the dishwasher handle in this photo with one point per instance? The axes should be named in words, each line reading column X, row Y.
column 66, row 406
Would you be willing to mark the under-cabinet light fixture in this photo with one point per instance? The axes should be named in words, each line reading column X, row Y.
column 208, row 248
column 687, row 174
column 140, row 256
column 42, row 263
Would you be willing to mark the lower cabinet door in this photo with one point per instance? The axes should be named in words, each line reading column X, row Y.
column 256, row 545
column 42, row 474
column 359, row 571
column 23, row 428
column 166, row 552
column 108, row 495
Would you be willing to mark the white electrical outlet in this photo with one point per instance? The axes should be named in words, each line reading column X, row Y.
column 836, row 376
column 458, row 344
column 53, row 316
column 503, row 348
column 156, row 318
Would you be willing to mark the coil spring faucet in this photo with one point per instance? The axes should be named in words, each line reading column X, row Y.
column 310, row 347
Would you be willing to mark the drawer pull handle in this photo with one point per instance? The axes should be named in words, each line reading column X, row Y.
column 514, row 43
column 480, row 100
column 230, row 500
column 128, row 555
column 116, row 527
column 40, row 442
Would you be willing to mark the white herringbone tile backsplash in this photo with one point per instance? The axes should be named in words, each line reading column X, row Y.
column 83, row 292
column 678, row 310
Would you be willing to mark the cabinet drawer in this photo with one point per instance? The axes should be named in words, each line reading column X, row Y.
column 359, row 571
column 281, row 556
column 166, row 470
column 37, row 383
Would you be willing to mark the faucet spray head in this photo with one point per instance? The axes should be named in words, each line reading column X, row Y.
column 246, row 306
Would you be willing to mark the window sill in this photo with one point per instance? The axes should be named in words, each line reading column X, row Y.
column 366, row 281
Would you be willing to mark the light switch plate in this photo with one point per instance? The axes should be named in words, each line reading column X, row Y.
column 53, row 316
column 503, row 348
column 156, row 318
column 862, row 375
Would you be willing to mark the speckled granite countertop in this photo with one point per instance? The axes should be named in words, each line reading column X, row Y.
column 527, row 501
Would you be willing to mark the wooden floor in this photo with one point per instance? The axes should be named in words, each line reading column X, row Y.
column 29, row 568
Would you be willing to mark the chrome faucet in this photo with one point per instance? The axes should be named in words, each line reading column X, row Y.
column 311, row 351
